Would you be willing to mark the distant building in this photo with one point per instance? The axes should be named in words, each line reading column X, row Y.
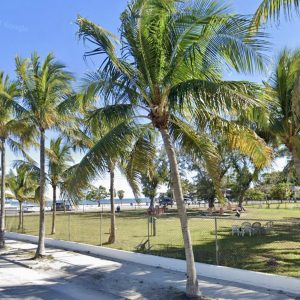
column 228, row 194
column 296, row 191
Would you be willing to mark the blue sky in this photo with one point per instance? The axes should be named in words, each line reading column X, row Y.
column 48, row 26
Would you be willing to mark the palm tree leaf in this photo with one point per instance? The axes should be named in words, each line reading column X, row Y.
column 198, row 145
column 109, row 148
column 247, row 142
column 217, row 96
column 109, row 115
column 139, row 159
column 271, row 10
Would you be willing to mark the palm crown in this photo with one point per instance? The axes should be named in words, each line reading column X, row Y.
column 45, row 90
column 169, row 76
column 23, row 186
column 12, row 132
column 59, row 159
column 284, row 87
column 46, row 103
column 170, row 71
column 16, row 132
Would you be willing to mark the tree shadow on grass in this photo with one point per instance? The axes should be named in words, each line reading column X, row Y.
column 277, row 252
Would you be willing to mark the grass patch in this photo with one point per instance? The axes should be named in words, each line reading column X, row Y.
column 277, row 252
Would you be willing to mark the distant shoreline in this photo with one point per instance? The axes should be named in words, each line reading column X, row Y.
column 125, row 201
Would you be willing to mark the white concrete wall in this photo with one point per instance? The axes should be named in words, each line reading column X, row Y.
column 269, row 281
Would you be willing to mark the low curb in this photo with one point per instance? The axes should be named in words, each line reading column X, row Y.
column 258, row 279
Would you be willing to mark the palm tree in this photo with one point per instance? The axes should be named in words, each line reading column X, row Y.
column 272, row 9
column 45, row 88
column 23, row 186
column 59, row 157
column 103, row 129
column 95, row 135
column 12, row 131
column 244, row 177
column 121, row 194
column 168, row 74
column 155, row 176
column 284, row 87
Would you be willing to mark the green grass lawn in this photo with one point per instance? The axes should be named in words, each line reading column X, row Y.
column 277, row 252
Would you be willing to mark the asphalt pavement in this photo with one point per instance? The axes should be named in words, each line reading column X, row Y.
column 67, row 275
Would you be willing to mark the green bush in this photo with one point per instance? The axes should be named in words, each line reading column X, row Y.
column 255, row 194
column 281, row 191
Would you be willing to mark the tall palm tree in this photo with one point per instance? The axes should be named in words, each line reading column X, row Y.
column 168, row 72
column 103, row 129
column 272, row 9
column 45, row 90
column 93, row 135
column 59, row 159
column 23, row 186
column 156, row 175
column 11, row 133
column 284, row 87
column 121, row 194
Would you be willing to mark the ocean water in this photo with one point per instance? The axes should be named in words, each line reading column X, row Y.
column 117, row 201
column 85, row 202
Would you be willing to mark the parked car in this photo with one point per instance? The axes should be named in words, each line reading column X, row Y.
column 60, row 206
column 31, row 208
column 201, row 201
column 188, row 201
column 166, row 201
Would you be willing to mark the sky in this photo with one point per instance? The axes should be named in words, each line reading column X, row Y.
column 49, row 26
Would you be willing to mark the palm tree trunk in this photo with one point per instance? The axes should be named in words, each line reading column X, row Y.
column 20, row 215
column 2, row 212
column 242, row 197
column 40, row 251
column 112, row 235
column 243, row 191
column 296, row 160
column 54, row 209
column 192, row 289
column 151, row 202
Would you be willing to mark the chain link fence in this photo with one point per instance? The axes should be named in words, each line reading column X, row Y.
column 220, row 240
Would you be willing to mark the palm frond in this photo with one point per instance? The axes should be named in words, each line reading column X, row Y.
column 197, row 145
column 109, row 116
column 139, row 159
column 217, row 96
column 247, row 142
column 110, row 147
column 272, row 9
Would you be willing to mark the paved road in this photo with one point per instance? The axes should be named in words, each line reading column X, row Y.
column 17, row 282
column 68, row 275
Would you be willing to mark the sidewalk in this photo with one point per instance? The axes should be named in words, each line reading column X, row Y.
column 68, row 275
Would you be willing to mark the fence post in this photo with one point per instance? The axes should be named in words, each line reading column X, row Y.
column 149, row 233
column 22, row 216
column 100, row 229
column 5, row 222
column 69, row 226
column 151, row 225
column 216, row 241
